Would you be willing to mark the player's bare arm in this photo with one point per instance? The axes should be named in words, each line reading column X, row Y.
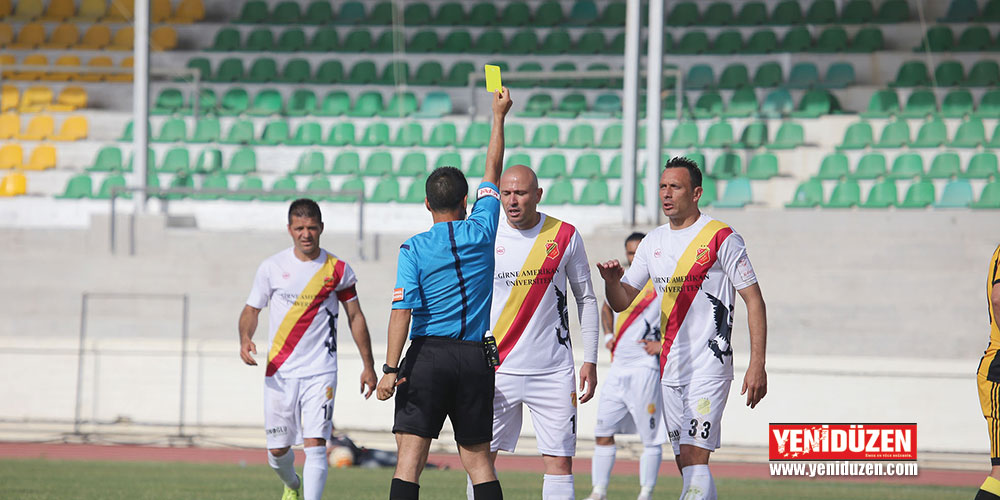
column 399, row 326
column 588, row 381
column 608, row 325
column 619, row 294
column 248, row 325
column 494, row 152
column 755, row 380
column 359, row 330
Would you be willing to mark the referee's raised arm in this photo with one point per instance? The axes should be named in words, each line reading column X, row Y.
column 494, row 153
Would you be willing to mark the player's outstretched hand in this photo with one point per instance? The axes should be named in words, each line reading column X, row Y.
column 754, row 385
column 611, row 270
column 368, row 379
column 588, row 381
column 501, row 102
column 246, row 348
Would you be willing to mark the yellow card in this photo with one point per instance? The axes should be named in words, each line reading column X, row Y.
column 493, row 78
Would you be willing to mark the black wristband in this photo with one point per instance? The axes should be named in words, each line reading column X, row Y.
column 388, row 369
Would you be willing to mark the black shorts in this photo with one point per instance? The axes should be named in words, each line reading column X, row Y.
column 445, row 377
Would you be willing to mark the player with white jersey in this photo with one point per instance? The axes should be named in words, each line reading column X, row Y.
column 539, row 259
column 303, row 286
column 697, row 265
column 631, row 401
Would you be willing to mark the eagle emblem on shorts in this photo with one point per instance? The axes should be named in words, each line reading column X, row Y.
column 723, row 329
column 562, row 329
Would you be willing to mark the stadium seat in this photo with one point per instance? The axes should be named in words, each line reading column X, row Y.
column 727, row 166
column 893, row 11
column 301, row 103
column 514, row 135
column 560, row 192
column 595, row 192
column 970, row 134
column 31, row 36
column 882, row 195
column 919, row 195
column 187, row 11
column 11, row 156
column 974, row 39
column 912, row 74
column 243, row 161
column 989, row 105
column 347, row 164
column 937, row 39
column 291, row 40
column 262, row 70
column 308, row 134
column 683, row 14
column 867, row 40
column 580, row 136
column 553, row 166
column 761, row 42
column 945, row 166
column 768, row 74
column 176, row 160
column 796, row 39
column 172, row 130
column 209, row 160
column 408, row 135
column 43, row 157
column 777, row 103
column 395, row 73
column 814, row 103
column 895, row 134
column 804, row 75
column 124, row 38
column 73, row 128
column 400, row 105
column 743, row 103
column 351, row 188
column 477, row 135
column 985, row 73
column 685, row 135
column 960, row 11
column 726, row 43
column 335, row 103
column 789, row 136
column 700, row 77
column 417, row 192
column 91, row 11
column 216, row 181
column 109, row 158
column 839, row 75
column 386, row 190
column 40, row 127
column 907, row 165
column 413, row 164
column 259, row 40
column 310, row 163
column 883, row 104
column 282, row 190
column 709, row 192
column 329, row 72
column 956, row 194
column 443, row 135
column 378, row 164
column 295, row 71
column 79, row 186
column 870, row 166
column 762, row 166
column 367, row 105
column 737, row 194
column 376, row 134
column 14, row 184
column 518, row 159
column 857, row 136
column 932, row 134
column 833, row 167
column 545, row 136
column 449, row 159
column 949, row 74
column 229, row 70
column 63, row 37
column 808, row 194
column 821, row 12
column 97, row 37
column 241, row 132
column 247, row 183
column 587, row 166
column 754, row 136
column 611, row 138
column 982, row 166
column 831, row 40
column 435, row 105
column 708, row 105
column 989, row 198
column 846, row 194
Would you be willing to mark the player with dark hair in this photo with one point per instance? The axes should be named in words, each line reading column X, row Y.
column 442, row 297
column 304, row 287
column 631, row 401
column 697, row 264
column 988, row 376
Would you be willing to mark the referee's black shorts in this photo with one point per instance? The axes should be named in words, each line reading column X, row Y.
column 445, row 377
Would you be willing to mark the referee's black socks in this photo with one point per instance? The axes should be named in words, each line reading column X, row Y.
column 403, row 490
column 488, row 491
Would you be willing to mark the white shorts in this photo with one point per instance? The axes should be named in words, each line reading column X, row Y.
column 551, row 399
column 296, row 408
column 631, row 403
column 693, row 412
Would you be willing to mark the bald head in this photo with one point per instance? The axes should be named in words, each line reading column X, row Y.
column 520, row 194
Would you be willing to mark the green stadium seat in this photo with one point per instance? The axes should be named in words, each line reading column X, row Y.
column 808, row 194
column 912, row 74
column 949, row 74
column 259, row 40
column 895, row 134
column 203, row 66
column 751, row 14
column 734, row 76
column 587, row 166
column 989, row 198
column 804, row 75
column 263, row 70
column 857, row 136
column 580, row 136
column 324, row 39
column 79, row 186
column 477, row 167
column 281, row 190
column 266, row 103
column 796, row 39
column 168, row 102
column 612, row 15
column 685, row 135
column 275, row 133
column 355, row 186
column 982, row 166
column 537, row 105
column 318, row 13
column 362, row 73
column 376, row 134
column 990, row 12
column 932, row 134
column 449, row 159
column 995, row 139
column 737, row 194
column 173, row 130
column 395, row 73
column 428, row 73
column 301, row 103
column 560, row 192
column 727, row 166
column 286, row 13
column 709, row 192
column 857, row 12
column 513, row 135
column 762, row 166
column 108, row 159
column 182, row 180
column 708, row 105
column 970, row 134
column 308, row 134
column 692, row 43
column 291, row 40
column 754, row 136
column 552, row 166
column 254, row 11
column 318, row 189
column 743, row 103
column 329, row 72
column 591, row 42
column 413, row 164
column 700, row 77
column 595, row 192
column 956, row 194
column 937, row 39
column 378, row 164
column 605, row 106
column 523, row 42
column 335, row 103
column 893, row 11
column 556, row 42
column 814, row 103
column 477, row 135
column 176, row 160
column 945, row 166
column 546, row 136
column 488, row 42
column 882, row 195
column 611, row 138
column 417, row 14
column 787, row 12
column 296, row 71
column 761, row 42
column 358, row 41
column 112, row 181
column 870, row 166
column 347, row 164
column 243, row 161
column 985, row 73
column 727, row 42
column 206, row 103
column 206, row 130
column 381, row 14
column 974, row 39
column 777, row 103
column 310, row 163
column 767, row 75
column 570, row 106
column 846, row 194
column 989, row 105
column 449, row 14
column 417, row 192
column 867, row 40
column 583, row 13
column 821, row 12
column 960, row 11
column 883, row 104
column 683, row 14
column 839, row 75
column 614, row 168
column 515, row 14
column 409, row 135
column 230, row 70
column 226, row 40
column 367, row 105
column 833, row 167
column 907, row 165
column 443, row 135
column 518, row 159
column 400, row 105
column 833, row 39
column 209, row 160
column 719, row 14
column 790, row 135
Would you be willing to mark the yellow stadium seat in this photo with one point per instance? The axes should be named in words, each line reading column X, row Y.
column 73, row 128
column 31, row 36
column 63, row 37
column 59, row 10
column 94, row 63
column 10, row 124
column 123, row 40
column 27, row 10
column 91, row 10
column 6, row 34
column 13, row 184
column 120, row 11
column 7, row 59
column 122, row 77
column 32, row 60
column 163, row 38
column 42, row 158
column 96, row 37
column 5, row 8
column 10, row 98
column 11, row 156
column 36, row 99
column 159, row 11
column 40, row 127
column 188, row 11
column 62, row 76
column 70, row 99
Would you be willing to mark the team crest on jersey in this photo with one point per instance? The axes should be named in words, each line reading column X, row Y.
column 551, row 250
column 703, row 256
column 501, row 250
column 285, row 276
column 572, row 398
column 328, row 282
column 329, row 392
column 651, row 408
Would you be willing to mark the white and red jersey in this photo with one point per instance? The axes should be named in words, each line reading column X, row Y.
column 304, row 300
column 696, row 272
column 530, row 314
column 639, row 322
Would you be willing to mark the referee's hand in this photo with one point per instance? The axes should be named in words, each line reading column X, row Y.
column 387, row 386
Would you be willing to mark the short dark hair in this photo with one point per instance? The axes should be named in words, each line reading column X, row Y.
column 446, row 187
column 636, row 236
column 304, row 207
column 690, row 165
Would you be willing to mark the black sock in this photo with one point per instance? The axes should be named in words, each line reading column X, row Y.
column 488, row 491
column 981, row 495
column 403, row 490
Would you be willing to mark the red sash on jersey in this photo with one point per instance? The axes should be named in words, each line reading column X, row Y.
column 303, row 311
column 633, row 312
column 691, row 270
column 543, row 260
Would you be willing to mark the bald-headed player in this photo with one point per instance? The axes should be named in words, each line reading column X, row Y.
column 697, row 265
column 537, row 256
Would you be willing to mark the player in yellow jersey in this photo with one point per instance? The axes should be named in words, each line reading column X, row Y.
column 989, row 381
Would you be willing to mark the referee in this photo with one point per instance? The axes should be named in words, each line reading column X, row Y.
column 444, row 284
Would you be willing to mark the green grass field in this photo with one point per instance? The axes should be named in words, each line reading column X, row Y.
column 93, row 480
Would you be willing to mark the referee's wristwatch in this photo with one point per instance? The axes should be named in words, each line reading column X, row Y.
column 388, row 369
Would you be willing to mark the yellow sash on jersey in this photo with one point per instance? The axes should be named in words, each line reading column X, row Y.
column 302, row 312
column 525, row 279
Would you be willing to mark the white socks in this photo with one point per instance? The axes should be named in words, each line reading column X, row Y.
column 698, row 483
column 601, row 465
column 649, row 467
column 314, row 472
column 285, row 467
column 557, row 487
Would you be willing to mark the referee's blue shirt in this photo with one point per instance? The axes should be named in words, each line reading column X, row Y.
column 445, row 275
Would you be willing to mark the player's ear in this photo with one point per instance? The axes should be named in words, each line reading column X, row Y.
column 538, row 196
column 697, row 191
column 321, row 228
column 428, row 205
